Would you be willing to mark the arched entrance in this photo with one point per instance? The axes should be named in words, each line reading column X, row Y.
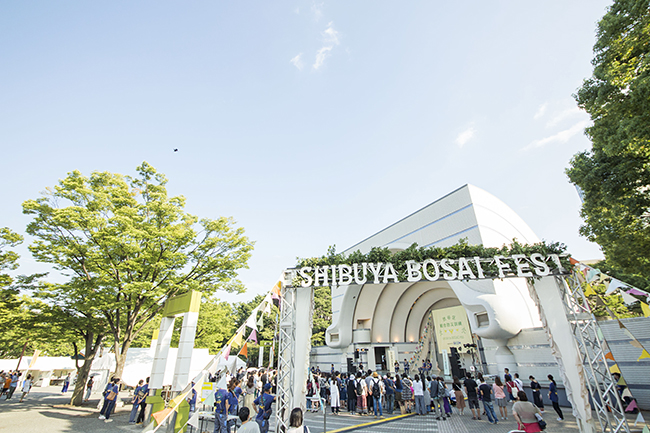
column 381, row 312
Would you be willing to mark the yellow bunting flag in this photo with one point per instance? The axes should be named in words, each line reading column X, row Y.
column 644, row 355
column 646, row 309
column 160, row 416
column 589, row 291
column 621, row 381
column 239, row 337
column 614, row 369
column 177, row 400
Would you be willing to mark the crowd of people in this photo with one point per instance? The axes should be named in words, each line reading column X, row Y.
column 368, row 393
column 10, row 380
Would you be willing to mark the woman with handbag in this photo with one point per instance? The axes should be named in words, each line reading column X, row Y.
column 110, row 398
column 137, row 398
column 460, row 397
column 526, row 414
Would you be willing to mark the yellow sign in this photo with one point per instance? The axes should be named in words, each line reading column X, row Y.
column 452, row 327
column 207, row 389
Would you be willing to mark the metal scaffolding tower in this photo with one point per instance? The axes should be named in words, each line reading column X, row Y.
column 286, row 364
column 593, row 348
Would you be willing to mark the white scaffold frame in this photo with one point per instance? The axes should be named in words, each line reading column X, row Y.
column 591, row 345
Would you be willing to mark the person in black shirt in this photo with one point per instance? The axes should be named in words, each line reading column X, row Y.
column 486, row 396
column 472, row 397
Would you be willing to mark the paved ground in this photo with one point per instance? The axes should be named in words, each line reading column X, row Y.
column 45, row 410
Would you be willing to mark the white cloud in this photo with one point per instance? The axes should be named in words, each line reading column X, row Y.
column 320, row 57
column 541, row 110
column 330, row 39
column 560, row 137
column 563, row 115
column 317, row 10
column 297, row 62
column 465, row 136
column 330, row 36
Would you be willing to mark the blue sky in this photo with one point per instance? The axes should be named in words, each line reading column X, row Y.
column 311, row 123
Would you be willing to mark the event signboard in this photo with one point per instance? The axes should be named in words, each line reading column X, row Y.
column 452, row 328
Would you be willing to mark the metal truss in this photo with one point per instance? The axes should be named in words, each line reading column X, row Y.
column 286, row 364
column 593, row 348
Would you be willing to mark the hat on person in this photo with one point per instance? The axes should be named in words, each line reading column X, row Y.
column 267, row 386
column 374, row 374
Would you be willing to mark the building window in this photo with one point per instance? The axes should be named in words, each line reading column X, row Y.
column 482, row 320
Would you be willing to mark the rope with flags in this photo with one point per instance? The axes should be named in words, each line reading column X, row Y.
column 590, row 277
column 252, row 322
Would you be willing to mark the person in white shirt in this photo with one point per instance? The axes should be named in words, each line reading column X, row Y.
column 246, row 425
column 418, row 394
column 518, row 382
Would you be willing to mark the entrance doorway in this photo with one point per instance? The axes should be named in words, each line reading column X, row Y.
column 380, row 358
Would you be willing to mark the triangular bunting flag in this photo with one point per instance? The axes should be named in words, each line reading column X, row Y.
column 636, row 343
column 592, row 274
column 644, row 354
column 603, row 278
column 628, row 333
column 621, row 381
column 626, row 393
column 609, row 356
column 226, row 353
column 589, row 291
column 250, row 322
column 276, row 289
column 176, row 400
column 635, row 291
column 209, row 400
column 613, row 285
column 253, row 336
column 639, row 418
column 628, row 299
column 614, row 369
column 630, row 407
column 260, row 322
column 194, row 421
column 645, row 429
column 620, row 325
column 244, row 350
column 160, row 416
column 267, row 306
column 573, row 261
column 239, row 337
column 646, row 309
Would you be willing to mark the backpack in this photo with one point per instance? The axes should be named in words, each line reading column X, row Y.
column 375, row 388
column 359, row 387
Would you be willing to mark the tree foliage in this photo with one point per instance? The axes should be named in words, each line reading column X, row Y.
column 126, row 247
column 615, row 174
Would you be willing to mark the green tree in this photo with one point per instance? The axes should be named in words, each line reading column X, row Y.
column 8, row 258
column 322, row 317
column 126, row 247
column 615, row 174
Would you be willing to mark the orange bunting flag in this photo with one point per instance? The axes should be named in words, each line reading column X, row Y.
column 644, row 355
column 646, row 309
column 610, row 356
column 244, row 350
column 276, row 289
column 160, row 416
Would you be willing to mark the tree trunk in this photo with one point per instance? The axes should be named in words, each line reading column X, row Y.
column 120, row 357
column 92, row 345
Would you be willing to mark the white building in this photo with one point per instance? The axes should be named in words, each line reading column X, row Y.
column 385, row 322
